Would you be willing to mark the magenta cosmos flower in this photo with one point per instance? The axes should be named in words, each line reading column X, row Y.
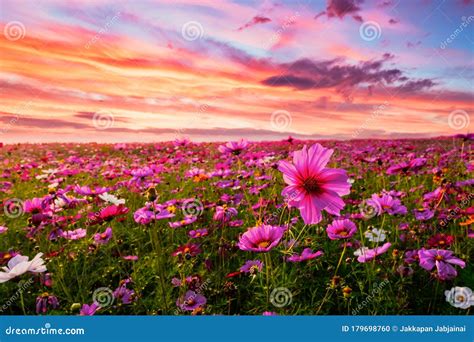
column 388, row 204
column 75, row 234
column 252, row 266
column 235, row 147
column 341, row 229
column 191, row 301
column 261, row 238
column 443, row 260
column 312, row 187
column 103, row 238
column 307, row 254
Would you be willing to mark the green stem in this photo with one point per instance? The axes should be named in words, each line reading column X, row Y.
column 335, row 273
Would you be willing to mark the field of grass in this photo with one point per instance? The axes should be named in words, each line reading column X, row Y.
column 177, row 212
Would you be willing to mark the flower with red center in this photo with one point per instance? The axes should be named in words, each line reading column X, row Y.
column 188, row 250
column 443, row 260
column 440, row 240
column 341, row 229
column 261, row 238
column 107, row 214
column 312, row 187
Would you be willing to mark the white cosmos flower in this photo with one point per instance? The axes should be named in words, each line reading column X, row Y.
column 460, row 297
column 361, row 251
column 111, row 199
column 20, row 264
column 375, row 235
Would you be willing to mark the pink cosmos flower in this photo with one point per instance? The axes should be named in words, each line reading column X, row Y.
column 3, row 229
column 130, row 257
column 341, row 229
column 235, row 147
column 89, row 310
column 103, row 238
column 307, row 254
column 191, row 301
column 312, row 187
column 261, row 238
column 386, row 203
column 443, row 260
column 35, row 205
column 184, row 222
column 365, row 254
column 224, row 213
column 198, row 233
column 74, row 234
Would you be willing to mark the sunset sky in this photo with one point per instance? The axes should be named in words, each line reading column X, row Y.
column 110, row 71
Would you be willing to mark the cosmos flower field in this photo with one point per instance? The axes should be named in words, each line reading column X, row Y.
column 366, row 227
